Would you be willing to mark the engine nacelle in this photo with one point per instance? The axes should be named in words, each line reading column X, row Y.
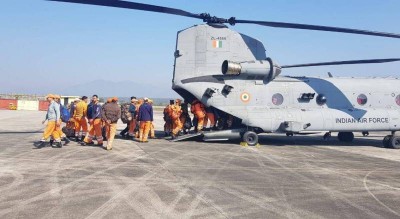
column 266, row 68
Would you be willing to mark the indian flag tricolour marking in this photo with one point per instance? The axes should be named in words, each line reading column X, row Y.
column 217, row 43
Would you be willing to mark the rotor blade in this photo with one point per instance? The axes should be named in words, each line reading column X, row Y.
column 134, row 5
column 352, row 62
column 317, row 27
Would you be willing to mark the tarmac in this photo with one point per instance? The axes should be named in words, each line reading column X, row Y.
column 285, row 177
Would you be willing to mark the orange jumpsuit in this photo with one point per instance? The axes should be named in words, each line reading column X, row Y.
column 50, row 130
column 209, row 116
column 59, row 130
column 144, row 130
column 198, row 110
column 167, row 118
column 95, row 130
column 176, row 112
column 80, row 119
column 139, row 103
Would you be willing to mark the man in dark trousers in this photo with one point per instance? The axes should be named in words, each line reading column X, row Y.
column 110, row 115
column 145, row 118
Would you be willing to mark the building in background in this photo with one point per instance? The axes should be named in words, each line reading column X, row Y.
column 29, row 102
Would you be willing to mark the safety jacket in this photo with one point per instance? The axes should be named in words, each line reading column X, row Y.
column 96, row 112
column 80, row 109
column 145, row 112
column 175, row 111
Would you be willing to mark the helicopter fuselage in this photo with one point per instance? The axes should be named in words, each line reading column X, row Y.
column 282, row 103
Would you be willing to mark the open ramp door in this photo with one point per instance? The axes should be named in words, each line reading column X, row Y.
column 187, row 137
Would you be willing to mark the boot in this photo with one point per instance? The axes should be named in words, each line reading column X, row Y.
column 57, row 144
column 66, row 140
column 83, row 143
column 40, row 144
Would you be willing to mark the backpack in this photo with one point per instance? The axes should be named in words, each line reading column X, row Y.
column 64, row 114
column 126, row 116
column 69, row 129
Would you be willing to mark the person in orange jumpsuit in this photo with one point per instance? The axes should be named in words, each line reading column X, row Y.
column 176, row 113
column 80, row 119
column 53, row 118
column 138, row 104
column 198, row 110
column 152, row 130
column 95, row 122
column 167, row 118
column 145, row 118
column 57, row 98
column 209, row 116
column 132, row 123
column 185, row 118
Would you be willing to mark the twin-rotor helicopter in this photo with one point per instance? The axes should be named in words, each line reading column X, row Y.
column 231, row 73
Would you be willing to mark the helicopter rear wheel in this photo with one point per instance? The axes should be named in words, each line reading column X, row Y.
column 346, row 136
column 394, row 142
column 251, row 138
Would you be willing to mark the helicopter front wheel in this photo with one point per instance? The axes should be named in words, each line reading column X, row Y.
column 345, row 136
column 251, row 138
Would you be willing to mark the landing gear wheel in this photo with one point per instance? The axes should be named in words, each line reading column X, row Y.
column 386, row 140
column 346, row 136
column 327, row 136
column 394, row 142
column 251, row 138
column 289, row 134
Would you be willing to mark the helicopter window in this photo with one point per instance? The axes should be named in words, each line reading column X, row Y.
column 321, row 99
column 362, row 99
column 398, row 99
column 277, row 99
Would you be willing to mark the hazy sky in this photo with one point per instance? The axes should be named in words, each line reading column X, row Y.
column 48, row 44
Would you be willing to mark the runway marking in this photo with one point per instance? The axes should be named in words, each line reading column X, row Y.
column 18, row 179
column 186, row 187
column 102, row 210
column 379, row 201
column 19, row 204
column 333, row 193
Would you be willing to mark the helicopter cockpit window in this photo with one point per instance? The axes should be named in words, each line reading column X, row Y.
column 398, row 99
column 321, row 99
column 362, row 99
column 277, row 99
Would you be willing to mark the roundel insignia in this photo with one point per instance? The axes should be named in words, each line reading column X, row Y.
column 245, row 97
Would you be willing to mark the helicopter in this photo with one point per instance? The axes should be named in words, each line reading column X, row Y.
column 230, row 72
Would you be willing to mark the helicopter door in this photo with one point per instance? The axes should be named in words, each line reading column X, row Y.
column 328, row 119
